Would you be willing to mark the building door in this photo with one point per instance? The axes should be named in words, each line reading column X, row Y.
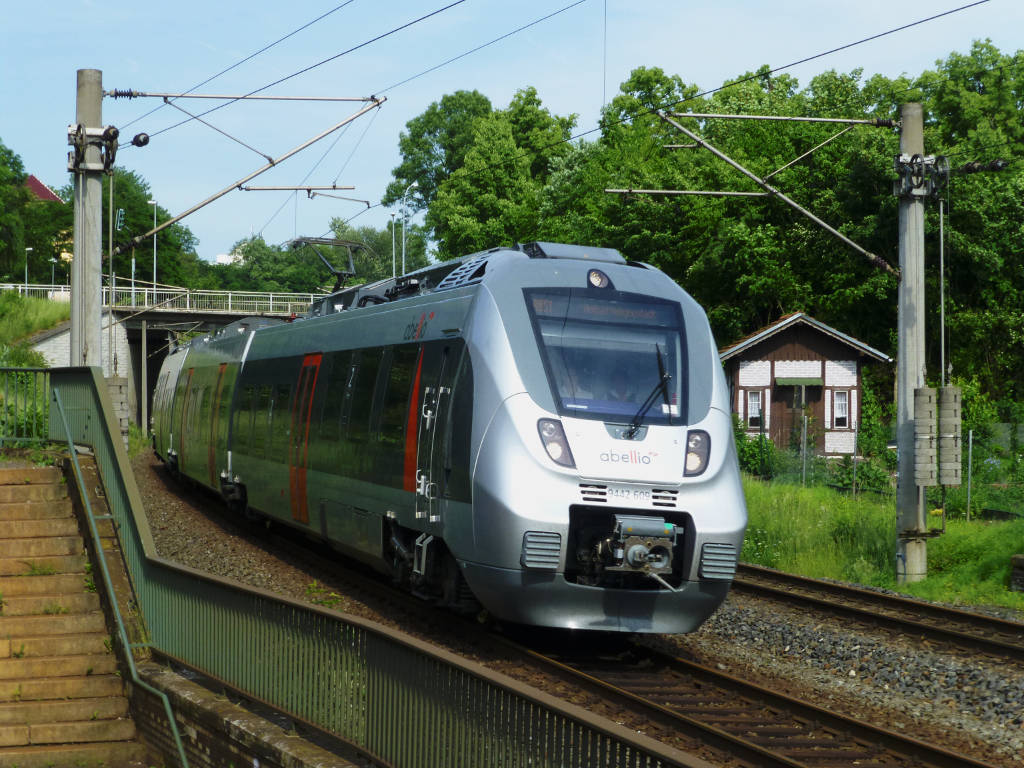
column 298, row 437
column 790, row 403
column 785, row 413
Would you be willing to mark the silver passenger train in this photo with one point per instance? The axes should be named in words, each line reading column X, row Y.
column 543, row 431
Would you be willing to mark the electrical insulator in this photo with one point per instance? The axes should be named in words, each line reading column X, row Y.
column 925, row 433
column 949, row 435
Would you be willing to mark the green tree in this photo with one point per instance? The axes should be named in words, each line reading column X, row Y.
column 434, row 146
column 13, row 198
column 491, row 200
column 26, row 222
column 266, row 267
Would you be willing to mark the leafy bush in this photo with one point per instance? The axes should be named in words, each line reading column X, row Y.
column 21, row 356
column 757, row 455
column 871, row 474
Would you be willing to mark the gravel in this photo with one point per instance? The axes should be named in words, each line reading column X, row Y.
column 971, row 704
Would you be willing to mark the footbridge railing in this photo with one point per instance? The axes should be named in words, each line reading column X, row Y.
column 396, row 699
column 169, row 298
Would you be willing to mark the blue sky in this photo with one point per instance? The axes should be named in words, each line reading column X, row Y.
column 171, row 47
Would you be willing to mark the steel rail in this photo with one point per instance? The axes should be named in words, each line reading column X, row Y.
column 752, row 579
column 715, row 737
column 849, row 733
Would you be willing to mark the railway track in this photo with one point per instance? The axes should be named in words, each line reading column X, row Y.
column 753, row 724
column 965, row 630
column 724, row 719
column 685, row 703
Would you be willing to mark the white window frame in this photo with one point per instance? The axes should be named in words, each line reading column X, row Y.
column 846, row 409
column 755, row 410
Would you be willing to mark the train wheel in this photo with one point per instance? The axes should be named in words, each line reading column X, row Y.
column 455, row 591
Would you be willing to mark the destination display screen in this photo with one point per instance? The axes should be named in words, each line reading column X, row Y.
column 607, row 352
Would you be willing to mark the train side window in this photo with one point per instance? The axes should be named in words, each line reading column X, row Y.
column 395, row 403
column 280, row 422
column 243, row 419
column 361, row 404
column 261, row 421
column 330, row 418
column 204, row 407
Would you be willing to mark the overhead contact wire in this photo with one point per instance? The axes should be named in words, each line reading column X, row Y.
column 247, row 58
column 321, row 63
column 481, row 47
column 757, row 76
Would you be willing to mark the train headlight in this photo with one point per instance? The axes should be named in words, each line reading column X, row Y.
column 553, row 437
column 598, row 279
column 698, row 449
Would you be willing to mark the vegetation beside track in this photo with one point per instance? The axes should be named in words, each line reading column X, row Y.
column 20, row 317
column 823, row 533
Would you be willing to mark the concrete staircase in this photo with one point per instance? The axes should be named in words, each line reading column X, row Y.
column 61, row 700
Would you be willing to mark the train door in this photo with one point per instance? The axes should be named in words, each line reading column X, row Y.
column 435, row 377
column 211, row 451
column 298, row 438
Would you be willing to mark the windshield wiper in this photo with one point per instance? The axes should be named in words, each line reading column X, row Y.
column 664, row 377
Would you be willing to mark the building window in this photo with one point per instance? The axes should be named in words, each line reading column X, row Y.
column 754, row 409
column 842, row 410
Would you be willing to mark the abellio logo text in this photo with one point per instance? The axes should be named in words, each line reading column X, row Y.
column 626, row 457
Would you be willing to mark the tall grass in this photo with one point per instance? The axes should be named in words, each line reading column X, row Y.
column 821, row 533
column 21, row 317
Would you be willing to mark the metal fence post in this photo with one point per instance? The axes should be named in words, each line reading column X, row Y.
column 856, row 432
column 970, row 462
column 803, row 452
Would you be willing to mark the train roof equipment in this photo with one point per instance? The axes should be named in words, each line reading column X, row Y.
column 456, row 273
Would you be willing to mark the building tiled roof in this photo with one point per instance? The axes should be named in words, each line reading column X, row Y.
column 41, row 191
column 788, row 321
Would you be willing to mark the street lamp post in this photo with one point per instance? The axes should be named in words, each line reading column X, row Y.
column 392, row 245
column 404, row 217
column 153, row 203
column 53, row 265
column 27, row 252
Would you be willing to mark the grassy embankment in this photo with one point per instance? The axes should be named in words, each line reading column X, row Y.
column 21, row 317
column 821, row 533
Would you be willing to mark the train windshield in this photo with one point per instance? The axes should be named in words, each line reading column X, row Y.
column 605, row 353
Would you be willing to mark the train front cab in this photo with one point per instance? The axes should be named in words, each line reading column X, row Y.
column 597, row 509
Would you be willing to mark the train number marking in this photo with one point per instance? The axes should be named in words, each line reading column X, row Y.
column 639, row 495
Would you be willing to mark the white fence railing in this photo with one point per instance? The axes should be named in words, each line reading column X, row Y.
column 167, row 298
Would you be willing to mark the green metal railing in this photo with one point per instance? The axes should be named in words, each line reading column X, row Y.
column 24, row 404
column 108, row 584
column 401, row 701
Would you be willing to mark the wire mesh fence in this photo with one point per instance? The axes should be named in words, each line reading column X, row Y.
column 992, row 473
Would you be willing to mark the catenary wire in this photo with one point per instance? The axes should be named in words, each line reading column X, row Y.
column 481, row 47
column 239, row 63
column 414, row 77
column 329, row 59
column 734, row 83
column 322, row 158
column 702, row 94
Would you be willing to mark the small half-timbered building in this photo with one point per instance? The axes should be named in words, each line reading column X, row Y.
column 797, row 366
